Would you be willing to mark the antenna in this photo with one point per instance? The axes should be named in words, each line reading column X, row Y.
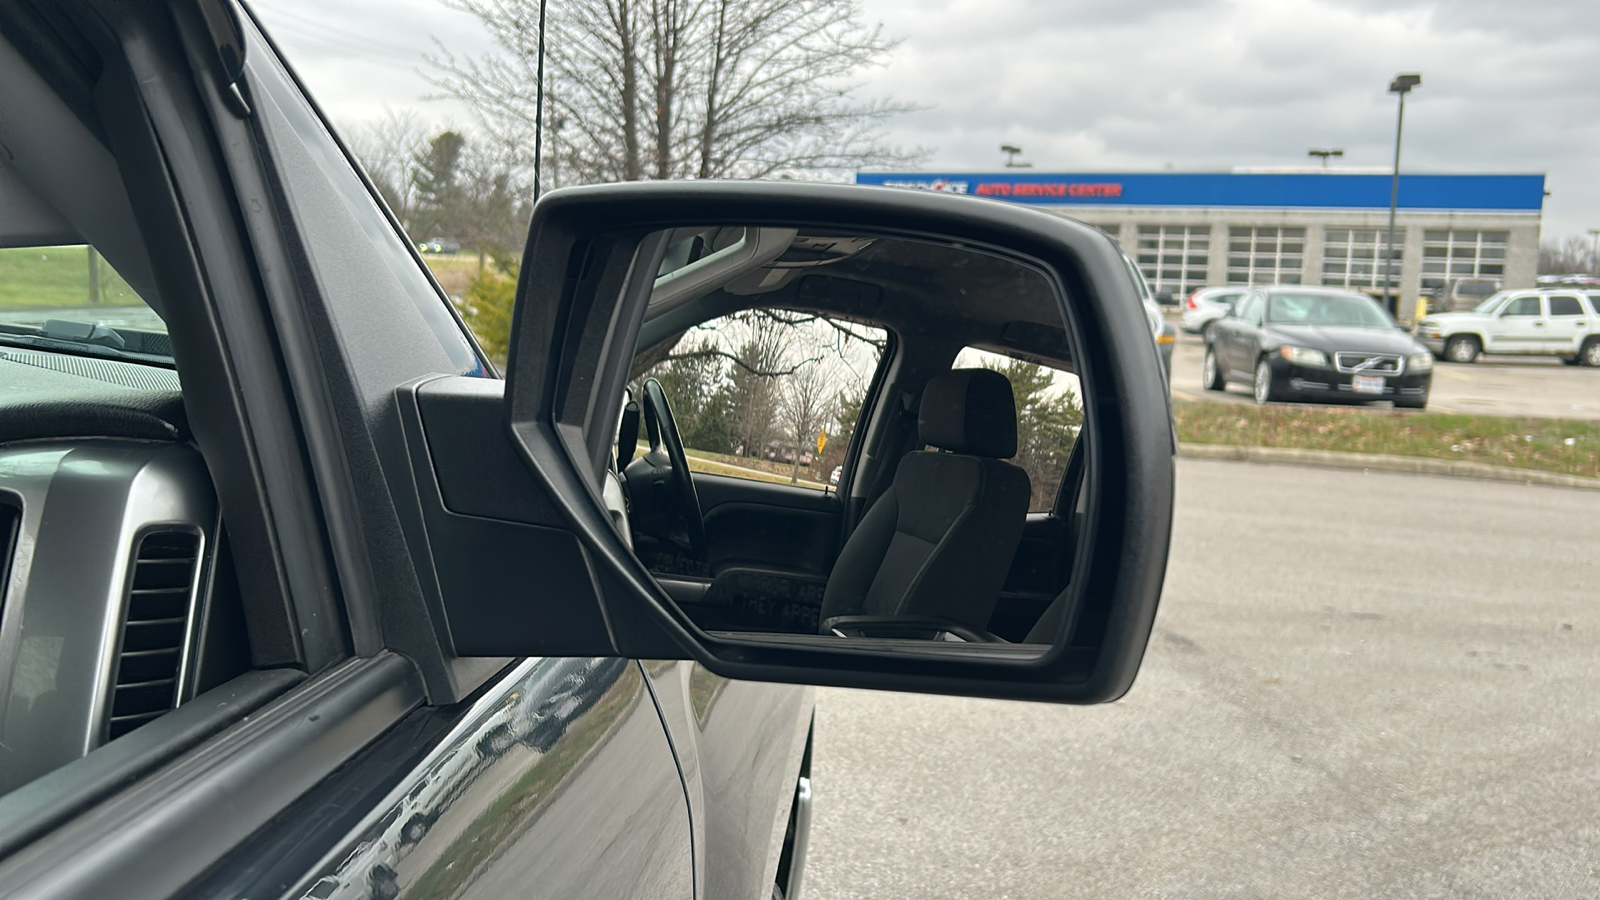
column 538, row 109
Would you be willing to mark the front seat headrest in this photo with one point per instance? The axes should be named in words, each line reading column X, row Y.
column 969, row 411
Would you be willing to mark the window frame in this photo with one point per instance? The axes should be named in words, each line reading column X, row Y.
column 872, row 386
column 1550, row 306
column 1505, row 309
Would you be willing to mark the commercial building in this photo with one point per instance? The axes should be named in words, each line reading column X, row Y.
column 1279, row 226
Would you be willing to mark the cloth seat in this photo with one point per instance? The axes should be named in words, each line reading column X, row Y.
column 940, row 540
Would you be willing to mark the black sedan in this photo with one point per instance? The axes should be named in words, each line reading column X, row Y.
column 1317, row 344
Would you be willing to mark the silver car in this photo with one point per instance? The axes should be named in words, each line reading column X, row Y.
column 1206, row 305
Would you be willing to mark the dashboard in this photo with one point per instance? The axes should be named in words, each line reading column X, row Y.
column 111, row 612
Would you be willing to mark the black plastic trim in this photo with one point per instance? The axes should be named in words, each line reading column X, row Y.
column 173, row 826
column 45, row 803
column 239, row 413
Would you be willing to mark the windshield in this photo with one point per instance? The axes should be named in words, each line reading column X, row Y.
column 1326, row 309
column 1493, row 303
column 68, row 298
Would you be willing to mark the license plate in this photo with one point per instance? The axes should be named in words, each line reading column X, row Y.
column 1367, row 384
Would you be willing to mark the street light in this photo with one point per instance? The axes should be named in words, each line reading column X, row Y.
column 1402, row 85
column 1325, row 154
column 1594, row 250
column 1011, row 152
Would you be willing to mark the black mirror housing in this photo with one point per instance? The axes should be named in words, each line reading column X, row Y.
column 585, row 283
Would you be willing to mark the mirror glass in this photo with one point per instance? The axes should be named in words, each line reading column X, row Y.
column 854, row 435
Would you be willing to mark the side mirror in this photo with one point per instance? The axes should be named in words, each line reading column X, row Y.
column 520, row 481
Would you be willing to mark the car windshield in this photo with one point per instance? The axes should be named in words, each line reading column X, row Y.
column 1493, row 303
column 69, row 298
column 1326, row 309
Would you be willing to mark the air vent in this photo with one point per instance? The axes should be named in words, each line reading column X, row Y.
column 155, row 630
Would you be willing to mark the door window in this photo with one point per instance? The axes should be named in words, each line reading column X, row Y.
column 1522, row 306
column 1565, row 306
column 1049, row 417
column 768, row 394
column 1250, row 309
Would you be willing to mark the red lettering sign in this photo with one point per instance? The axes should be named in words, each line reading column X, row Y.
column 1047, row 189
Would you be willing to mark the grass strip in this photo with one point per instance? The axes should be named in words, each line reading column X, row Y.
column 744, row 467
column 52, row 277
column 1563, row 446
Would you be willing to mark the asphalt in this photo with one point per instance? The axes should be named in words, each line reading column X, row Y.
column 1494, row 385
column 1360, row 685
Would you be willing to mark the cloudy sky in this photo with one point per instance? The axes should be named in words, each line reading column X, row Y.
column 1123, row 84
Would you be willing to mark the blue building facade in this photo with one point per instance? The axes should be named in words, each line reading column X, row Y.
column 1316, row 226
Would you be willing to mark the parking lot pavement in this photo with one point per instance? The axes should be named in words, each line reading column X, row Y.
column 1360, row 685
column 1500, row 385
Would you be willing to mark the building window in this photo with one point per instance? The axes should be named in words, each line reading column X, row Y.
column 1174, row 257
column 1353, row 258
column 1266, row 255
column 1115, row 231
column 1450, row 254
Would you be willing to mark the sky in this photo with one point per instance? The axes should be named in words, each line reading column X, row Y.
column 1130, row 85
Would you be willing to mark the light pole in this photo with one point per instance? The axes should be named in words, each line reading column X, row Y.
column 1594, row 250
column 1402, row 85
column 1011, row 151
column 1325, row 154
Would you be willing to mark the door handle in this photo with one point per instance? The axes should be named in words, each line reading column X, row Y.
column 1538, row 324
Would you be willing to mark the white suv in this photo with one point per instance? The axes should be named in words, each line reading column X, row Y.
column 1553, row 322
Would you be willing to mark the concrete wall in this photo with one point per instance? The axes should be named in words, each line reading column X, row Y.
column 1522, row 250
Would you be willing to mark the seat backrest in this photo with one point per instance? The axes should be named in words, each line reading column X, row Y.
column 940, row 540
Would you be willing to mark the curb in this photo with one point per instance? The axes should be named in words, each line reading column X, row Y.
column 1408, row 465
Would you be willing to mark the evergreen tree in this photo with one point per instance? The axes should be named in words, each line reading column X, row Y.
column 1048, row 420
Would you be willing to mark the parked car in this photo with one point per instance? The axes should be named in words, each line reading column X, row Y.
column 1461, row 293
column 1317, row 344
column 439, row 245
column 1569, row 280
column 1206, row 305
column 1163, row 333
column 1551, row 322
column 301, row 599
column 834, row 476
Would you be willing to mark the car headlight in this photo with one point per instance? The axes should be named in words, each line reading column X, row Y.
column 1420, row 362
column 1304, row 356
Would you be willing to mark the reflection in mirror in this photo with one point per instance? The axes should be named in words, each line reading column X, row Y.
column 860, row 436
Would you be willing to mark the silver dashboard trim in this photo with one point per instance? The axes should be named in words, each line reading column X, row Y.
column 85, row 504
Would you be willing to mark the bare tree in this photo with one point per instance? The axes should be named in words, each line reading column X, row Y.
column 388, row 149
column 804, row 408
column 1573, row 256
column 681, row 88
column 757, row 364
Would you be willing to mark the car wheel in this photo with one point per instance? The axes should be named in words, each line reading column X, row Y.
column 1412, row 403
column 1212, row 376
column 416, row 829
column 1590, row 354
column 1463, row 348
column 496, row 743
column 1264, row 389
